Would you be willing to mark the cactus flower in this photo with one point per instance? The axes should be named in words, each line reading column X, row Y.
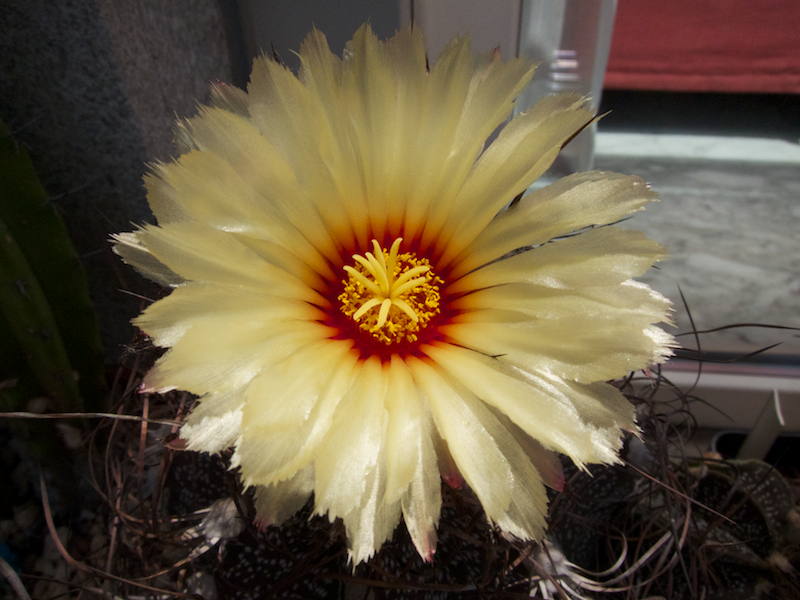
column 359, row 312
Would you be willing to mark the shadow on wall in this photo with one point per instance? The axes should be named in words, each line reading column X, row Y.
column 283, row 25
column 91, row 88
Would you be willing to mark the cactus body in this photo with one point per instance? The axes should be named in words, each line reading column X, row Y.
column 50, row 342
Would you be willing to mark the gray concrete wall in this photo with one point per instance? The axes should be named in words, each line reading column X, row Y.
column 91, row 88
column 284, row 24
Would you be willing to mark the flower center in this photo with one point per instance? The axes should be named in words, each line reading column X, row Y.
column 390, row 295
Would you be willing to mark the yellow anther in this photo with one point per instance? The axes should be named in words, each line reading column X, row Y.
column 390, row 295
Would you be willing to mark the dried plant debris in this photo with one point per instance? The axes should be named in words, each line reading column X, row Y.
column 680, row 527
column 171, row 523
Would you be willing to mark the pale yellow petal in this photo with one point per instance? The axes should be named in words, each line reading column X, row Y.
column 523, row 151
column 580, row 349
column 422, row 504
column 229, row 98
column 587, row 334
column 569, row 204
column 492, row 462
column 181, row 139
column 215, row 423
column 349, row 453
column 525, row 516
column 422, row 501
column 492, row 95
column 200, row 253
column 461, row 421
column 168, row 319
column 277, row 502
column 288, row 260
column 271, row 451
column 435, row 165
column 626, row 300
column 283, row 395
column 412, row 471
column 547, row 463
column 480, row 108
column 444, row 459
column 240, row 182
column 568, row 418
column 320, row 69
column 134, row 252
column 292, row 119
column 163, row 199
column 328, row 82
column 374, row 93
column 406, row 426
column 222, row 354
column 600, row 257
column 371, row 523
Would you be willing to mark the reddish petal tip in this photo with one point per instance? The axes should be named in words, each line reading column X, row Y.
column 454, row 480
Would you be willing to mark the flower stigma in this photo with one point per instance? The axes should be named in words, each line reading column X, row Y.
column 391, row 296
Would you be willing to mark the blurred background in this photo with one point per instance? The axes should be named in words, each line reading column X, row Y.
column 701, row 100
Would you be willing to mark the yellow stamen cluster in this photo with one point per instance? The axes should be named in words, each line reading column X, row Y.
column 390, row 295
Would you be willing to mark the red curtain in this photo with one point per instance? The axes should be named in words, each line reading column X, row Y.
column 706, row 46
